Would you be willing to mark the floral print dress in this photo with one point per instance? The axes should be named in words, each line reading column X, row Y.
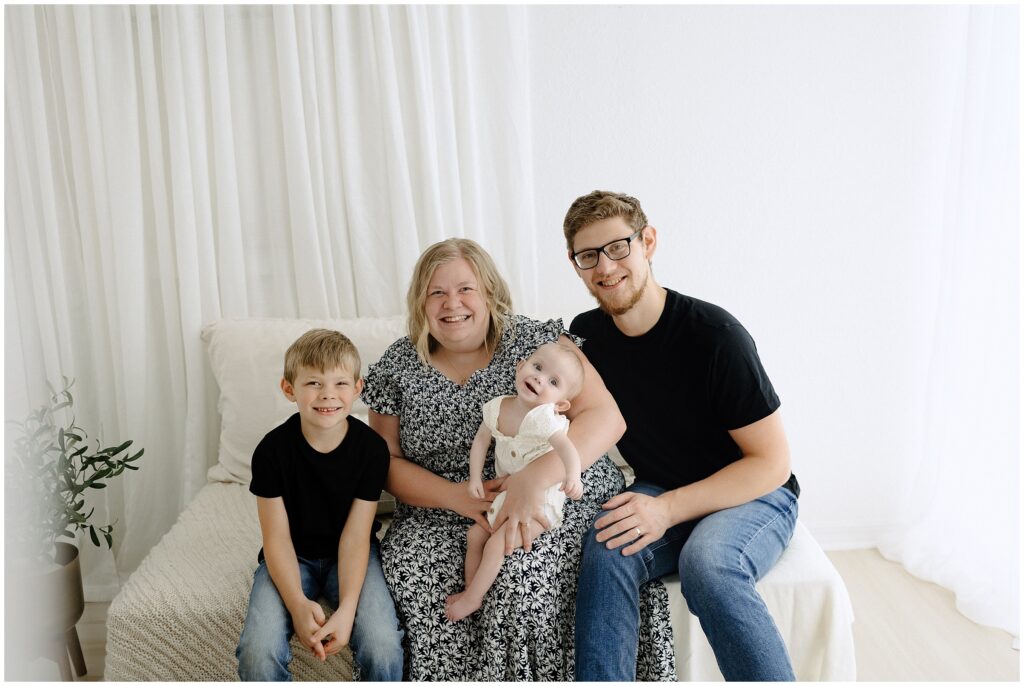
column 524, row 630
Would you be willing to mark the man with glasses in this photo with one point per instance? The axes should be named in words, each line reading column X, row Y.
column 714, row 498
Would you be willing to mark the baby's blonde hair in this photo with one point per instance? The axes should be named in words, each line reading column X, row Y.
column 323, row 350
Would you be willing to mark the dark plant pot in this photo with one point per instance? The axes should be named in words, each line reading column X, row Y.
column 42, row 611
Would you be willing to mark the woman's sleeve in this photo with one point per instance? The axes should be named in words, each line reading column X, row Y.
column 382, row 392
column 533, row 333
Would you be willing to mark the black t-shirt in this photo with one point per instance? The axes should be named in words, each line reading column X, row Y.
column 318, row 488
column 681, row 387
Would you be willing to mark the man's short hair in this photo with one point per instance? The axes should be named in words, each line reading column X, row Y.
column 323, row 350
column 598, row 205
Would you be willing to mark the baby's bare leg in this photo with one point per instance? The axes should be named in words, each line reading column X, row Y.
column 476, row 538
column 469, row 601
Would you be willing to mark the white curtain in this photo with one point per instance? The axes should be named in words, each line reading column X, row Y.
column 961, row 521
column 170, row 165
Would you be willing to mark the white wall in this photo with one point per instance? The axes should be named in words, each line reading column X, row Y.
column 794, row 160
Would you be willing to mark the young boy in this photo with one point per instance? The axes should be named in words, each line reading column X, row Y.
column 317, row 478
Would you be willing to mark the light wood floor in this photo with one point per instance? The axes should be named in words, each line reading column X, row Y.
column 910, row 630
column 906, row 630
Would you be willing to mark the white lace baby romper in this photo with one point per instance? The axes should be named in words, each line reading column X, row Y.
column 512, row 453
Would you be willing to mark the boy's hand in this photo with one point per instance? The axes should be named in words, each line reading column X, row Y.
column 572, row 487
column 336, row 632
column 307, row 619
column 476, row 488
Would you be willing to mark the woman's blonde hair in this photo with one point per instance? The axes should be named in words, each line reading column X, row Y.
column 492, row 285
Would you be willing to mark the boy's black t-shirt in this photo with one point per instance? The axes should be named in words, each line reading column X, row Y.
column 318, row 488
column 681, row 387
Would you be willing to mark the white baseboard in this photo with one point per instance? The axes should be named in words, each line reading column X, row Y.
column 837, row 536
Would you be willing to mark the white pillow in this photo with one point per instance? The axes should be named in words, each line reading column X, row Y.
column 247, row 358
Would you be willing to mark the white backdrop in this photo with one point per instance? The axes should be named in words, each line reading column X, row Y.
column 797, row 162
column 842, row 179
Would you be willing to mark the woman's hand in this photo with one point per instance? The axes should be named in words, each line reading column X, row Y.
column 523, row 509
column 475, row 508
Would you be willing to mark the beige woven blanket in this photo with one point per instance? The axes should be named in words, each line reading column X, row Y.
column 179, row 616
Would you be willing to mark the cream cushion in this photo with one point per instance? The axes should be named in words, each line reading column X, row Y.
column 810, row 605
column 247, row 359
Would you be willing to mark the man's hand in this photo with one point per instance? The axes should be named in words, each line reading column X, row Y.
column 523, row 509
column 474, row 507
column 633, row 518
column 307, row 619
column 337, row 632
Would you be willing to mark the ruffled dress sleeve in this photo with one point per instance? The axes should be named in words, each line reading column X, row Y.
column 542, row 422
column 491, row 410
column 530, row 334
column 382, row 391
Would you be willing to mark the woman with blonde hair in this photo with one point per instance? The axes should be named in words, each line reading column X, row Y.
column 425, row 396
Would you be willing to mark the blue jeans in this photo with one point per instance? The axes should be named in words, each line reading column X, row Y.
column 263, row 652
column 719, row 559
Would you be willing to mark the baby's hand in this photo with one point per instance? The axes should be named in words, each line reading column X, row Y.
column 476, row 488
column 572, row 487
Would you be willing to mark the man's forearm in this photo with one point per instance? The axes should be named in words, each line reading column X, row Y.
column 740, row 482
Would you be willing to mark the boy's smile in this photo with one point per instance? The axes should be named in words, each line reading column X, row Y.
column 324, row 399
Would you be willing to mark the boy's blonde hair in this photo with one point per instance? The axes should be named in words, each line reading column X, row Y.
column 574, row 378
column 323, row 350
column 493, row 287
column 598, row 205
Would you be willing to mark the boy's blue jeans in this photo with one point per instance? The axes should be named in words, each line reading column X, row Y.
column 719, row 559
column 263, row 652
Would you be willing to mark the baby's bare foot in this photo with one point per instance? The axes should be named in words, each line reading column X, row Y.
column 459, row 606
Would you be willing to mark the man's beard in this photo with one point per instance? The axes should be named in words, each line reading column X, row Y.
column 615, row 311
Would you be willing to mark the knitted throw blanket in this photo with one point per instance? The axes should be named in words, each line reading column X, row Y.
column 179, row 616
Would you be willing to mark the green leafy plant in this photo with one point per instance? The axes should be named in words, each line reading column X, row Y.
column 51, row 467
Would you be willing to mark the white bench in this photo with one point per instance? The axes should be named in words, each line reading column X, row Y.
column 808, row 600
column 179, row 616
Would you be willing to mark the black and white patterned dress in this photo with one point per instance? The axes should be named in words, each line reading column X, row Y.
column 524, row 630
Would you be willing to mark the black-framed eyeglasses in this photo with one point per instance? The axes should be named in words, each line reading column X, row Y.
column 616, row 250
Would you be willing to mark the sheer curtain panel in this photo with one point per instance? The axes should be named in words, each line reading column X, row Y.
column 170, row 165
column 960, row 525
